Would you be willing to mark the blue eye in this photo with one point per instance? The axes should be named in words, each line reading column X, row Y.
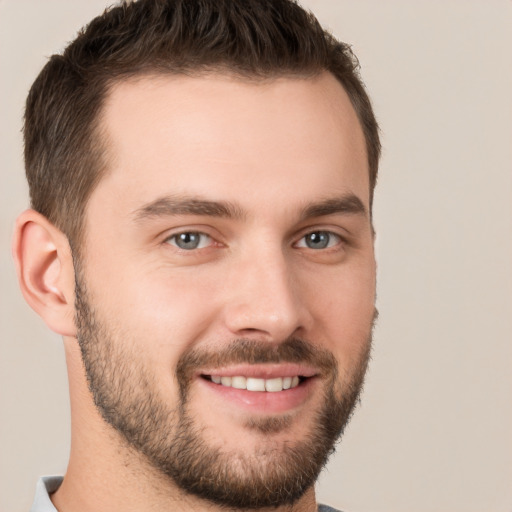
column 189, row 240
column 319, row 240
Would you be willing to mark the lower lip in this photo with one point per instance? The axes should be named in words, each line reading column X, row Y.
column 263, row 402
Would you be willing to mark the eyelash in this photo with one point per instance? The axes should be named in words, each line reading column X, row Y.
column 338, row 239
column 176, row 236
column 173, row 240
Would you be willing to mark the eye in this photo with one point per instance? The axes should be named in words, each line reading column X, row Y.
column 319, row 240
column 190, row 240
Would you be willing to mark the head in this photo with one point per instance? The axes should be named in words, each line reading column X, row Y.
column 211, row 165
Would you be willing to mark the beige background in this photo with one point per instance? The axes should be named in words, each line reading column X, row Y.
column 434, row 429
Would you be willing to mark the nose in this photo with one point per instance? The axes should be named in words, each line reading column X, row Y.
column 264, row 299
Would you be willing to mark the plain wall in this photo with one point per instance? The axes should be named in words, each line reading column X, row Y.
column 433, row 432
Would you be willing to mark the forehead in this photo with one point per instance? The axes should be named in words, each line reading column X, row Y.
column 231, row 139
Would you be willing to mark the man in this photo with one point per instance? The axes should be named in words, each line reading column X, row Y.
column 201, row 175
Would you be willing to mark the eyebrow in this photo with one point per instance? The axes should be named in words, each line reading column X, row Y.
column 348, row 204
column 171, row 205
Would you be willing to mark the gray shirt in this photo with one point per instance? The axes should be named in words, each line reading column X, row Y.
column 48, row 484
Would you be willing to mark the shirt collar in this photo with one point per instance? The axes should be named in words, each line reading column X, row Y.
column 45, row 486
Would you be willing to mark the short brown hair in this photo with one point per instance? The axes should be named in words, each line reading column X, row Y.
column 256, row 39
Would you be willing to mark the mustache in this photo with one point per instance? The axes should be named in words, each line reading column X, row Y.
column 248, row 351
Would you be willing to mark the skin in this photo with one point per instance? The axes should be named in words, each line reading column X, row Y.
column 272, row 149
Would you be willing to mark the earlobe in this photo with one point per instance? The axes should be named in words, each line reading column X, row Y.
column 44, row 265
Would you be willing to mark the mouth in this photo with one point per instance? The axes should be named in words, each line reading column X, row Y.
column 260, row 389
column 272, row 385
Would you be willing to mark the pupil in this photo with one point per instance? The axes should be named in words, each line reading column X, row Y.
column 318, row 240
column 188, row 240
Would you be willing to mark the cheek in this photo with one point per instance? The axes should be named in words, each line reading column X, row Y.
column 344, row 308
column 168, row 309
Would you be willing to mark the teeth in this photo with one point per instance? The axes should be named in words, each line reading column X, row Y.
column 273, row 385
column 225, row 381
column 253, row 384
column 238, row 382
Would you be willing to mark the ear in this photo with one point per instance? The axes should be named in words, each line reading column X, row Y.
column 45, row 271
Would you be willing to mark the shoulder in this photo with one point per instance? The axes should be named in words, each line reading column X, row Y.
column 325, row 508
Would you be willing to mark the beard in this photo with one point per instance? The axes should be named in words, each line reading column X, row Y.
column 174, row 443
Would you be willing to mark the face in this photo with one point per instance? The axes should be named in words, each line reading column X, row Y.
column 225, row 293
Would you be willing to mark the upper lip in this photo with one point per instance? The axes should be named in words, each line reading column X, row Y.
column 262, row 371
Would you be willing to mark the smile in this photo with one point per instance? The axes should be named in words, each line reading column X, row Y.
column 254, row 384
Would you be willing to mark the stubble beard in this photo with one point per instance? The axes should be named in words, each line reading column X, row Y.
column 275, row 474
